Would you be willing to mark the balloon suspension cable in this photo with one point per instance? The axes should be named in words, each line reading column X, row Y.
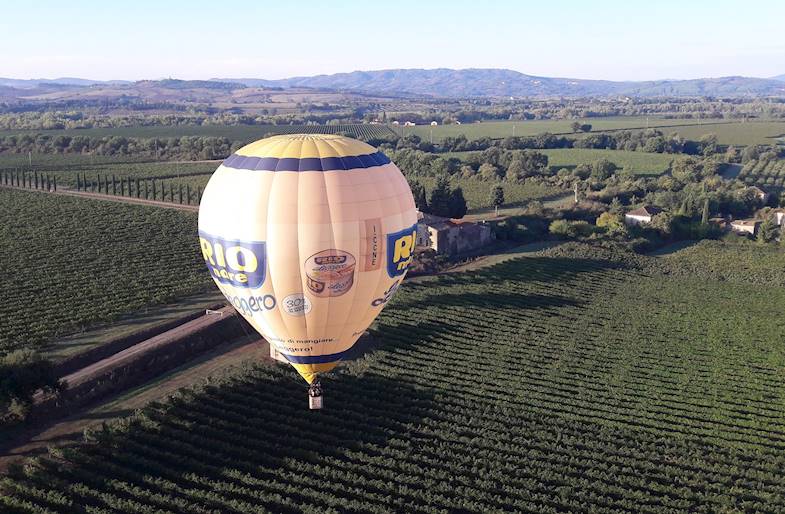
column 315, row 395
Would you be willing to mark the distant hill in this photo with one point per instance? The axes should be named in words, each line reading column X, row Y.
column 440, row 82
column 481, row 82
column 66, row 81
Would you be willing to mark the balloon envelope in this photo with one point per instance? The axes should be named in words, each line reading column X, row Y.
column 308, row 236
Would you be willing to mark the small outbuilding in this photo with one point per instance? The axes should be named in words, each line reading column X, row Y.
column 748, row 226
column 642, row 215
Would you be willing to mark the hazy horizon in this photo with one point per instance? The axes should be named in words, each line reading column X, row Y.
column 123, row 79
column 606, row 40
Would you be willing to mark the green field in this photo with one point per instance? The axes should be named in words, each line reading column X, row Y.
column 728, row 131
column 245, row 133
column 477, row 192
column 502, row 129
column 70, row 263
column 769, row 175
column 560, row 382
column 738, row 134
column 637, row 163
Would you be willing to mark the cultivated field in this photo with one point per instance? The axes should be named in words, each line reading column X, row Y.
column 742, row 262
column 71, row 263
column 637, row 163
column 738, row 134
column 770, row 175
column 729, row 132
column 477, row 192
column 572, row 381
column 502, row 129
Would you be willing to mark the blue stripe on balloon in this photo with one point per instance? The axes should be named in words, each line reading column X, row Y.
column 315, row 359
column 350, row 162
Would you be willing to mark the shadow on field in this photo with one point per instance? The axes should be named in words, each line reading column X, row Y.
column 497, row 301
column 260, row 426
column 452, row 289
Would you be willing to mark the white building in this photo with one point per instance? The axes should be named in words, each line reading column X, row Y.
column 749, row 226
column 642, row 215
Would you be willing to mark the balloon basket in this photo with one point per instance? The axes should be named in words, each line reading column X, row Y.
column 315, row 396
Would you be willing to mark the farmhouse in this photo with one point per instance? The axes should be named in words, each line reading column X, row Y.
column 642, row 215
column 748, row 226
column 451, row 236
column 434, row 123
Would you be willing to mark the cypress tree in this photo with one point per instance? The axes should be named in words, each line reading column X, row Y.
column 138, row 189
column 155, row 196
column 114, row 186
column 188, row 193
column 181, row 194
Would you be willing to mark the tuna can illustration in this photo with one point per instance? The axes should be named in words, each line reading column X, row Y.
column 330, row 273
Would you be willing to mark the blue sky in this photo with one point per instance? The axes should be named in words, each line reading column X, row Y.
column 601, row 39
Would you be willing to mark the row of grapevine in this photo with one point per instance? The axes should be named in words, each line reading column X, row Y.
column 553, row 383
column 73, row 262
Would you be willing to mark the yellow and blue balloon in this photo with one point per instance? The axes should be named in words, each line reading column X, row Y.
column 308, row 236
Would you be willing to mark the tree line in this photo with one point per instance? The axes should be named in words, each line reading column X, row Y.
column 171, row 148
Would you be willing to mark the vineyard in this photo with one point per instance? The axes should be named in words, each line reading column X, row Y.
column 561, row 382
column 768, row 174
column 70, row 263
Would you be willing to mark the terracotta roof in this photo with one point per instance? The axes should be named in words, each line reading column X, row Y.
column 646, row 210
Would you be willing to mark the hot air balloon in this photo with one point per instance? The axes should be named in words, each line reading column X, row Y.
column 308, row 236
